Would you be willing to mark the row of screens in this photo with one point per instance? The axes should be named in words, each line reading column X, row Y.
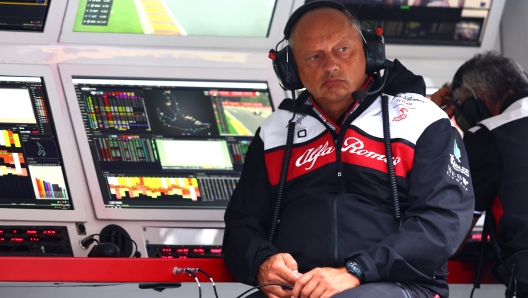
column 434, row 22
column 438, row 22
column 154, row 143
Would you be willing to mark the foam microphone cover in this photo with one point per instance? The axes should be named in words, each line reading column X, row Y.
column 359, row 95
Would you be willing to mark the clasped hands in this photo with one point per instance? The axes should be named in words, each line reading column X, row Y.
column 317, row 283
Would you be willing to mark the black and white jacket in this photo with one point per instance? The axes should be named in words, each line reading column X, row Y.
column 497, row 150
column 337, row 204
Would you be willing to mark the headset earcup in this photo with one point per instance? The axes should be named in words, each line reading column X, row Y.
column 286, row 70
column 369, row 63
column 374, row 51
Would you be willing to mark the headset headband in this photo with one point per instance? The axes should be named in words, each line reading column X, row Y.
column 299, row 12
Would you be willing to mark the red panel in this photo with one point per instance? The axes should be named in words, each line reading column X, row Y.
column 100, row 270
column 464, row 273
column 24, row 269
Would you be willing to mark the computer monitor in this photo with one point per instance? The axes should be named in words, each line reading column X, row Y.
column 436, row 22
column 416, row 28
column 35, row 156
column 238, row 18
column 165, row 147
column 23, row 15
column 179, row 23
column 31, row 21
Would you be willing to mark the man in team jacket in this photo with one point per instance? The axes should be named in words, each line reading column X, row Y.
column 491, row 93
column 337, row 232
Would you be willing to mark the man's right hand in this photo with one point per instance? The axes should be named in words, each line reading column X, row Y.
column 278, row 269
column 442, row 99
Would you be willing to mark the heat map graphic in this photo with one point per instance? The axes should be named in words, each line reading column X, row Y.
column 153, row 187
column 9, row 139
column 12, row 158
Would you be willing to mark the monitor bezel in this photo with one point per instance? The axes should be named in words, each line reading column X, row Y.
column 279, row 18
column 491, row 34
column 60, row 115
column 49, row 35
column 69, row 71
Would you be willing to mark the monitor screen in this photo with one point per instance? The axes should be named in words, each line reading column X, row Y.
column 430, row 22
column 233, row 18
column 169, row 143
column 23, row 15
column 31, row 166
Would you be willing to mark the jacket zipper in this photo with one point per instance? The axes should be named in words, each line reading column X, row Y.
column 341, row 177
column 342, row 191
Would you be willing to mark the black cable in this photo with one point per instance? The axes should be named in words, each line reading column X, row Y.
column 388, row 153
column 284, row 172
column 197, row 281
column 472, row 291
column 124, row 237
column 484, row 241
column 284, row 286
column 382, row 85
column 210, row 278
column 510, row 293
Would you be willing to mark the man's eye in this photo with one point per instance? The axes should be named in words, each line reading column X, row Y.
column 314, row 57
column 343, row 49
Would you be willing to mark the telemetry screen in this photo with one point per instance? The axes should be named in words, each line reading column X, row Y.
column 236, row 18
column 23, row 15
column 431, row 22
column 31, row 166
column 168, row 143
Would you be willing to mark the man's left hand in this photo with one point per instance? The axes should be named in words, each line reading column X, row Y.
column 324, row 283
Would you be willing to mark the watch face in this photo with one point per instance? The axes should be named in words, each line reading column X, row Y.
column 354, row 268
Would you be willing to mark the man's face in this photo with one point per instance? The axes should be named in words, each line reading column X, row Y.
column 329, row 54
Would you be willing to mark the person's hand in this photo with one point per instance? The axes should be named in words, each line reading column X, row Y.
column 442, row 99
column 324, row 283
column 280, row 268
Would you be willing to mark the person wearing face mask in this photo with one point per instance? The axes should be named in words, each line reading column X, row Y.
column 489, row 101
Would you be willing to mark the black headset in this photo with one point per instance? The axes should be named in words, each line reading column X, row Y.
column 284, row 63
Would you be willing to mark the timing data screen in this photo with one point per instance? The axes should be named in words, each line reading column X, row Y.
column 167, row 143
column 31, row 166
column 23, row 15
column 236, row 18
column 429, row 22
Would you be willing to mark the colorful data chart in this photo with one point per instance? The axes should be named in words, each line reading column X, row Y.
column 125, row 148
column 48, row 182
column 47, row 190
column 116, row 110
column 9, row 139
column 238, row 151
column 153, row 187
column 12, row 158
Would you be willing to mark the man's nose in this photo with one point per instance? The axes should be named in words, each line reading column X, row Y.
column 331, row 63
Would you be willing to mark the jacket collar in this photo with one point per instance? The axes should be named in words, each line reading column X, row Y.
column 511, row 99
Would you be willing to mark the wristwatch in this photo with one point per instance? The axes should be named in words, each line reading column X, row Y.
column 355, row 269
